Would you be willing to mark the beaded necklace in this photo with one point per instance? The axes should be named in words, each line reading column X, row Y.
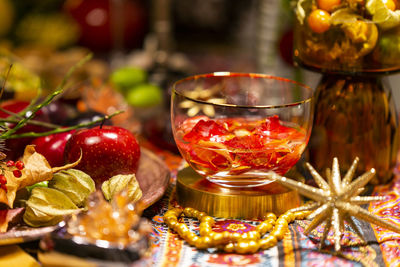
column 249, row 242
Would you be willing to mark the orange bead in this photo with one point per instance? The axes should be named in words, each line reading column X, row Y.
column 229, row 248
column 328, row 5
column 318, row 21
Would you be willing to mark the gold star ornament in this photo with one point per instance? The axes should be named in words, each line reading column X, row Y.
column 336, row 201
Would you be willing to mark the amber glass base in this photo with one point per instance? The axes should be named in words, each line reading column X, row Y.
column 244, row 203
column 355, row 116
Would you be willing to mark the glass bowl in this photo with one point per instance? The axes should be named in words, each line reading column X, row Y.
column 347, row 36
column 232, row 128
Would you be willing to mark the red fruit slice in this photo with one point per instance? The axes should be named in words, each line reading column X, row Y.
column 237, row 145
column 204, row 130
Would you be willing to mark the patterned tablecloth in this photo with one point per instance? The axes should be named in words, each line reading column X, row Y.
column 296, row 249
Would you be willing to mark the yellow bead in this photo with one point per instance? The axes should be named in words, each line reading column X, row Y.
column 204, row 243
column 217, row 238
column 200, row 244
column 188, row 212
column 170, row 219
column 205, row 224
column 252, row 235
column 268, row 242
column 177, row 210
column 183, row 232
column 270, row 215
column 205, row 231
column 195, row 214
column 304, row 214
column 172, row 223
column 281, row 221
column 227, row 235
column 270, row 221
column 173, row 212
column 235, row 236
column 229, row 248
column 242, row 247
column 278, row 234
column 201, row 215
column 192, row 238
column 253, row 246
column 207, row 240
column 207, row 219
column 281, row 226
column 286, row 217
column 169, row 213
column 263, row 227
column 300, row 215
column 181, row 227
column 280, row 230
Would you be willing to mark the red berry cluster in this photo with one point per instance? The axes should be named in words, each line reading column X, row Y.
column 3, row 182
column 19, row 165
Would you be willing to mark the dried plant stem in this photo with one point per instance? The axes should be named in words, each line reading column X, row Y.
column 23, row 122
column 32, row 122
column 60, row 130
column 15, row 118
column 32, row 108
column 61, row 86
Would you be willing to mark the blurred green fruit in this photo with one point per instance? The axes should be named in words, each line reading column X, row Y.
column 128, row 77
column 144, row 95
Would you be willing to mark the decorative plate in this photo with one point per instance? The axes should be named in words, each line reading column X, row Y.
column 153, row 177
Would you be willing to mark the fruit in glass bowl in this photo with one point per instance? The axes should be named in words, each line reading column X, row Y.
column 238, row 145
column 344, row 36
column 233, row 128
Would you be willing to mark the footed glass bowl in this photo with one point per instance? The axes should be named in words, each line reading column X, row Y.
column 232, row 128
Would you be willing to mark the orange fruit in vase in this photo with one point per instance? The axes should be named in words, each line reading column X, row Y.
column 319, row 21
column 390, row 4
column 329, row 5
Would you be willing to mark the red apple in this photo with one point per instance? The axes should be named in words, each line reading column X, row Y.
column 52, row 147
column 96, row 22
column 106, row 151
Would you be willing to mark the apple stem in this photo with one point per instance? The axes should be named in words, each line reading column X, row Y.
column 103, row 121
column 60, row 130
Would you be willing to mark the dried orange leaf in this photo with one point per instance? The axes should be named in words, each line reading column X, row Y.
column 37, row 169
